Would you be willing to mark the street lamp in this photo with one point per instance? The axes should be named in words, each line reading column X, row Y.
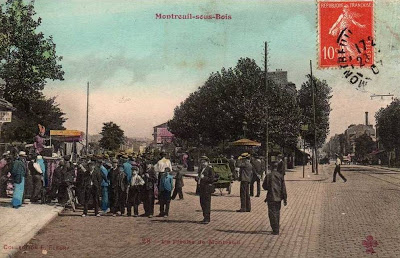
column 304, row 129
column 244, row 129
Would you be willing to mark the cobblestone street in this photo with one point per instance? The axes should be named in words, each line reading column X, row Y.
column 322, row 219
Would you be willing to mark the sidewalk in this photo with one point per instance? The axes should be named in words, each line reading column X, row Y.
column 384, row 168
column 296, row 174
column 18, row 226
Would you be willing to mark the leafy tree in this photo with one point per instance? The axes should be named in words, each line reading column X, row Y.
column 388, row 127
column 215, row 113
column 112, row 136
column 364, row 146
column 27, row 60
column 24, row 127
column 322, row 96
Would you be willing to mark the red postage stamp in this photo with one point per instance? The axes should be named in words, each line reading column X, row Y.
column 345, row 34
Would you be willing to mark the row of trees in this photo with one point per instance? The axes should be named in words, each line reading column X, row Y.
column 388, row 131
column 388, row 139
column 27, row 60
column 215, row 112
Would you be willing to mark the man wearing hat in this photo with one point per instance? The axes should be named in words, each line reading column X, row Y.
column 274, row 183
column 91, row 188
column 18, row 174
column 5, row 167
column 337, row 170
column 105, row 169
column 281, row 165
column 117, row 188
column 127, row 167
column 37, row 178
column 245, row 176
column 163, row 163
column 206, row 188
column 67, row 177
column 257, row 173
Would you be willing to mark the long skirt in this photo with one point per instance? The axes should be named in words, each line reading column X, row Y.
column 104, row 198
column 18, row 194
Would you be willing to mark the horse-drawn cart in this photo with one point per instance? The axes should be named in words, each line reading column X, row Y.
column 223, row 173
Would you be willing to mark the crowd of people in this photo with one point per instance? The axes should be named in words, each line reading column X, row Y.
column 118, row 183
column 113, row 184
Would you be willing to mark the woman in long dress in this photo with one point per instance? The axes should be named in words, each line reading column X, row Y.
column 18, row 173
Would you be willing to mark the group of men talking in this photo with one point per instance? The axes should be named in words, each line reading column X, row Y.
column 248, row 168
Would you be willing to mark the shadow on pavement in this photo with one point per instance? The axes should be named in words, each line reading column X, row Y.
column 5, row 204
column 218, row 210
column 70, row 214
column 260, row 232
column 190, row 193
column 175, row 221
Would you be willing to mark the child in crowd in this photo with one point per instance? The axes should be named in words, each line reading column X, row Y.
column 166, row 186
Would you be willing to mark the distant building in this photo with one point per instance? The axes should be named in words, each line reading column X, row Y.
column 355, row 131
column 161, row 134
column 280, row 77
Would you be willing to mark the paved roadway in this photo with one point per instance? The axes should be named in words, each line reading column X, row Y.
column 322, row 219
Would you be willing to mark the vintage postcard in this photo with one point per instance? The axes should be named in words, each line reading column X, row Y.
column 199, row 128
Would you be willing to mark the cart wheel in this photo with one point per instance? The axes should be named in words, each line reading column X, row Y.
column 230, row 188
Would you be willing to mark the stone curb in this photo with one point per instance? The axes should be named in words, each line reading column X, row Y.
column 27, row 237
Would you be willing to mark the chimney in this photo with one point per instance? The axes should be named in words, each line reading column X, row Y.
column 366, row 118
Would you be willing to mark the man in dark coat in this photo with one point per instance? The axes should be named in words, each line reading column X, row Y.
column 6, row 165
column 274, row 183
column 281, row 165
column 92, row 188
column 67, row 177
column 150, row 180
column 205, row 180
column 37, row 177
column 118, row 184
column 232, row 167
column 56, row 180
column 256, row 177
column 245, row 176
column 178, row 185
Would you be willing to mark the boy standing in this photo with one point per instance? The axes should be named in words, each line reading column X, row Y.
column 166, row 186
column 178, row 185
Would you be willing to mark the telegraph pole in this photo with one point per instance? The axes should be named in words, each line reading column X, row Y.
column 267, row 114
column 315, row 126
column 87, row 118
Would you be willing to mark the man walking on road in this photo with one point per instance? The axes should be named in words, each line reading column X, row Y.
column 337, row 170
column 274, row 183
column 245, row 176
column 206, row 187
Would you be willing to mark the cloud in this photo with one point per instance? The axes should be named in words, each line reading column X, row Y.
column 98, row 70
